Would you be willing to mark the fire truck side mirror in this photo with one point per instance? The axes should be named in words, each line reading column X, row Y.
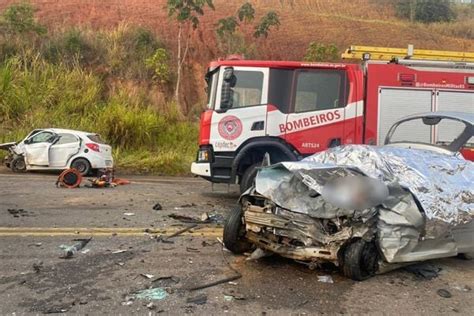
column 227, row 94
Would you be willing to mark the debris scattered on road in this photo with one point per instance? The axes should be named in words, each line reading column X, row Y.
column 325, row 279
column 148, row 276
column 424, row 270
column 212, row 218
column 172, row 278
column 119, row 251
column 70, row 251
column 190, row 249
column 179, row 232
column 36, row 244
column 156, row 293
column 184, row 218
column 37, row 266
column 188, row 205
column 462, row 288
column 85, row 251
column 157, row 207
column 127, row 303
column 206, row 218
column 198, row 300
column 129, row 214
column 205, row 243
column 151, row 306
column 17, row 212
column 234, row 295
column 444, row 293
column 206, row 285
column 57, row 309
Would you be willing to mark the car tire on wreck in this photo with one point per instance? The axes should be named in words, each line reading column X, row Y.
column 82, row 165
column 18, row 164
column 234, row 232
column 359, row 259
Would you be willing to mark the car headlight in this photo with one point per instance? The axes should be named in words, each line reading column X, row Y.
column 355, row 192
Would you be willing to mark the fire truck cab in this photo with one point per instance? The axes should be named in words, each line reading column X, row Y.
column 294, row 109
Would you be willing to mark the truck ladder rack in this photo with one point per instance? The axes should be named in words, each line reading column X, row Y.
column 390, row 54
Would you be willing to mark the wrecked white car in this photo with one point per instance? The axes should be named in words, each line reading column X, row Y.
column 58, row 149
column 367, row 209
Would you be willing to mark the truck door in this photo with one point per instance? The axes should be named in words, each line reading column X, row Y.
column 316, row 121
column 240, row 108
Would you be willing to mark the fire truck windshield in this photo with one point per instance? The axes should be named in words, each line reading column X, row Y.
column 247, row 88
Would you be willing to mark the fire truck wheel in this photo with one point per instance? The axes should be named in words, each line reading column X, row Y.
column 234, row 232
column 248, row 178
column 18, row 164
column 359, row 260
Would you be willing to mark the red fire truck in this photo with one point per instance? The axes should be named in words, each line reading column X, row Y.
column 294, row 109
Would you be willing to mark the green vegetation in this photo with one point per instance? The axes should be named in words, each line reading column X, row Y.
column 105, row 82
column 231, row 39
column 321, row 52
column 426, row 11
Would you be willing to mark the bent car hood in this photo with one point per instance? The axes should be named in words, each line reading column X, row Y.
column 442, row 184
column 5, row 146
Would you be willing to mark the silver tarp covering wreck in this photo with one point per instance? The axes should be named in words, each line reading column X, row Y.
column 441, row 185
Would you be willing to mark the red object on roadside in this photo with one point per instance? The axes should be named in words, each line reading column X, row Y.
column 69, row 178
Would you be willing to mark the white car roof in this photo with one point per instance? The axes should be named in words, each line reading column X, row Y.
column 70, row 131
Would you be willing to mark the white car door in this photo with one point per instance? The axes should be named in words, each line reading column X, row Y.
column 65, row 146
column 37, row 148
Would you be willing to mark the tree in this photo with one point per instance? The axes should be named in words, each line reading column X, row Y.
column 158, row 62
column 226, row 28
column 426, row 11
column 187, row 13
column 268, row 21
column 20, row 19
column 321, row 52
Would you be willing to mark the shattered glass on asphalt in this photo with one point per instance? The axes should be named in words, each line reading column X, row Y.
column 442, row 184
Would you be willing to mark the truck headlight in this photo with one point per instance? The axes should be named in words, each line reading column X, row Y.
column 204, row 154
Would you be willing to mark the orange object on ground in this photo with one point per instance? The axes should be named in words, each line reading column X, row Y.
column 69, row 178
column 119, row 181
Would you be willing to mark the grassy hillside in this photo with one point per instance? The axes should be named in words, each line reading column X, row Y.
column 91, row 69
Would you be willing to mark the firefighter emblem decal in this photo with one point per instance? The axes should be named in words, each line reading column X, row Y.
column 230, row 127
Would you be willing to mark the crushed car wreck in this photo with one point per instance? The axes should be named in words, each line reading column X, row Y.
column 366, row 209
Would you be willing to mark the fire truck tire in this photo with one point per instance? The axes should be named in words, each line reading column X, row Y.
column 234, row 232
column 248, row 178
column 18, row 164
column 359, row 260
column 82, row 165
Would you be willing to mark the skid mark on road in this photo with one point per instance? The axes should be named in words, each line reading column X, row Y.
column 106, row 232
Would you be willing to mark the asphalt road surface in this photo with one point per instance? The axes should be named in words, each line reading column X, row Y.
column 109, row 273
